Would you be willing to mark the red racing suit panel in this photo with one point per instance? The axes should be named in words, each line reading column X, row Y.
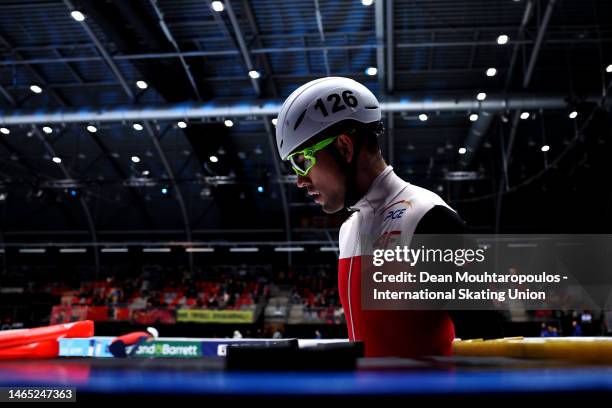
column 390, row 208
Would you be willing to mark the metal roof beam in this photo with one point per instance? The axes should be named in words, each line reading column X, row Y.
column 244, row 51
column 84, row 206
column 104, row 54
column 504, row 183
column 64, row 103
column 319, row 19
column 7, row 96
column 290, row 76
column 22, row 159
column 170, row 38
column 257, row 41
column 390, row 76
column 276, row 50
column 119, row 76
column 535, row 52
column 272, row 107
column 481, row 126
column 390, row 47
column 281, row 187
column 33, row 71
column 379, row 17
column 520, row 37
column 70, row 67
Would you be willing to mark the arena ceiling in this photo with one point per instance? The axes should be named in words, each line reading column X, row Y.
column 128, row 135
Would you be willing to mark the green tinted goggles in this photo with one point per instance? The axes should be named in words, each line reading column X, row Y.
column 304, row 160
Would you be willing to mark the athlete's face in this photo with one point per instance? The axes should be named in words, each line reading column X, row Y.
column 325, row 182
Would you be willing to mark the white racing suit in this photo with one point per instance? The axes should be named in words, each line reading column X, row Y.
column 393, row 208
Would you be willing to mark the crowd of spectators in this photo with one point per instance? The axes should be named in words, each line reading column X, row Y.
column 154, row 290
column 317, row 292
column 216, row 287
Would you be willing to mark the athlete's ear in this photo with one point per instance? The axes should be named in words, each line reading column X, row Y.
column 345, row 146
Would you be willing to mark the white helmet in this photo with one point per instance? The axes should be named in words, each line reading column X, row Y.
column 319, row 104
